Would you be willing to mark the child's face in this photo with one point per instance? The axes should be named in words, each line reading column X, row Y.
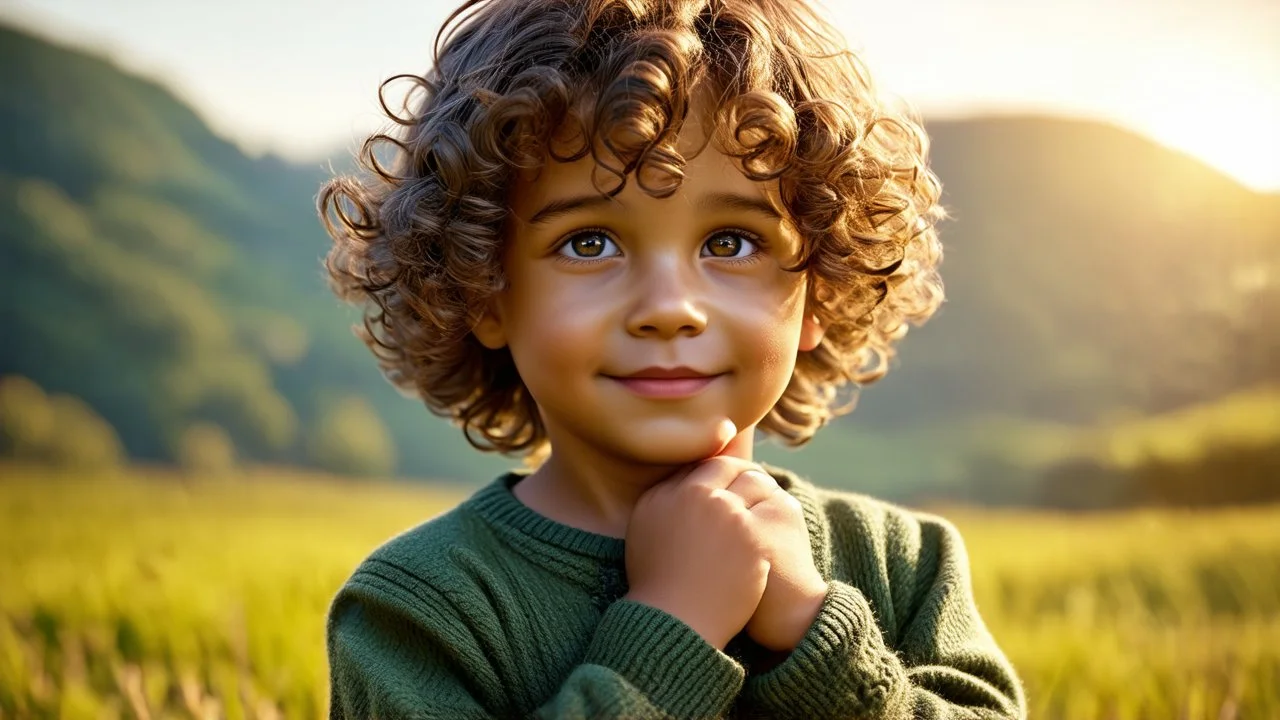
column 599, row 290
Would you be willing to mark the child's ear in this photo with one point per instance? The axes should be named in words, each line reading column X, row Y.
column 489, row 330
column 811, row 332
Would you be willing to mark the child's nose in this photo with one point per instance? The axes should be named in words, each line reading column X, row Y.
column 667, row 302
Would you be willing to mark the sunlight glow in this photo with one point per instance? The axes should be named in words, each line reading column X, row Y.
column 1232, row 126
column 1200, row 77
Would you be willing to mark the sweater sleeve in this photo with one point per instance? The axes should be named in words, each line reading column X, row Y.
column 943, row 663
column 391, row 661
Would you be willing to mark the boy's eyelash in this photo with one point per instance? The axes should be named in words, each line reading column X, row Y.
column 559, row 256
column 760, row 244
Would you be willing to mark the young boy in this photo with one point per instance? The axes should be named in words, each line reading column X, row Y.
column 635, row 233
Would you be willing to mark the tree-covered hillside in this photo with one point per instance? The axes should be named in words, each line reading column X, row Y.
column 1090, row 272
column 150, row 268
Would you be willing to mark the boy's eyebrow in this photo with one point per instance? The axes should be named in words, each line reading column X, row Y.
column 732, row 201
column 564, row 206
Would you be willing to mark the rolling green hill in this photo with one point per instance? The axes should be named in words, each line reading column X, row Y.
column 1089, row 272
column 154, row 270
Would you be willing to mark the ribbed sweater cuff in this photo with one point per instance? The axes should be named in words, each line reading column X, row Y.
column 841, row 668
column 668, row 661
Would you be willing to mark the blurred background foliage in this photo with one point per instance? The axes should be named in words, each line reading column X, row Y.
column 1111, row 341
column 1113, row 310
column 174, row 285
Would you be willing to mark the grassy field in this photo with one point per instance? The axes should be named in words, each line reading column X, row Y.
column 156, row 596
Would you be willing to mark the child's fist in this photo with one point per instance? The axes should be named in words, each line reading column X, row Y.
column 694, row 550
column 795, row 590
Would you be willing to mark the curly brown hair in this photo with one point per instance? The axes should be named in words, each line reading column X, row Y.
column 418, row 239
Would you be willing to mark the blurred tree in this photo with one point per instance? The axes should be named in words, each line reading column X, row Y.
column 56, row 429
column 350, row 438
column 26, row 418
column 1085, row 484
column 1225, row 475
column 276, row 336
column 995, row 480
column 205, row 448
column 82, row 439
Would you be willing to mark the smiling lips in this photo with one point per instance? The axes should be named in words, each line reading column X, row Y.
column 656, row 382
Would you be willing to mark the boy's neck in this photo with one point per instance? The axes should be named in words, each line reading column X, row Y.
column 591, row 491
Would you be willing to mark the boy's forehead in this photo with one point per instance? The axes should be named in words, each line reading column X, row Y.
column 707, row 170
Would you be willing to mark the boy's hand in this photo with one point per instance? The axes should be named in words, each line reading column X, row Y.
column 695, row 551
column 795, row 590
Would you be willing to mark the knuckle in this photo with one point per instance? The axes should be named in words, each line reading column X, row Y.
column 739, row 517
column 781, row 506
column 768, row 512
column 724, row 501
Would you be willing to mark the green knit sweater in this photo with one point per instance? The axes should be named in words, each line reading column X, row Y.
column 493, row 611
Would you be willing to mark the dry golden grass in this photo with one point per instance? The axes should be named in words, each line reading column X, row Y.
column 151, row 595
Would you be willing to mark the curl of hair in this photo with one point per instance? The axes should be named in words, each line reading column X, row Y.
column 418, row 240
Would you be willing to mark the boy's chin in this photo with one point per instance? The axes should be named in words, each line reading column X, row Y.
column 673, row 444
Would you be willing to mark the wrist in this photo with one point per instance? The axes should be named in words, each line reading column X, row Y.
column 807, row 610
column 802, row 614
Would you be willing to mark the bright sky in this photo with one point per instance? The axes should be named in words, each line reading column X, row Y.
column 299, row 77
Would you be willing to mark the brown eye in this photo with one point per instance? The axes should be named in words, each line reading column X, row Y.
column 589, row 245
column 728, row 245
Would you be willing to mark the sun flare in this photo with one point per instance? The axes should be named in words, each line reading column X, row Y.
column 1230, row 124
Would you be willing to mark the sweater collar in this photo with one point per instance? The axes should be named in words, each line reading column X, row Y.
column 498, row 506
column 512, row 518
